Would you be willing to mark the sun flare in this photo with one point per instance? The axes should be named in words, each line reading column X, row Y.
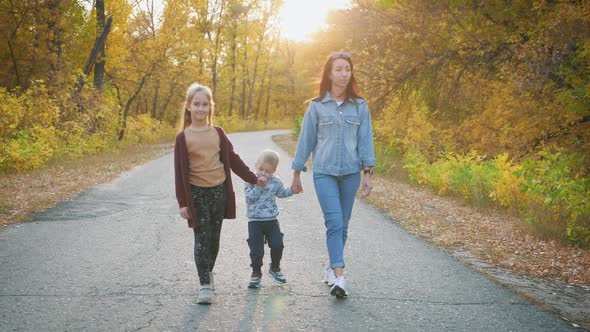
column 300, row 18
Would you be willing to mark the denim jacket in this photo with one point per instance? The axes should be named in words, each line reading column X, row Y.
column 340, row 138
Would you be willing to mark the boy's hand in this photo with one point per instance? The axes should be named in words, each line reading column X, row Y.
column 262, row 181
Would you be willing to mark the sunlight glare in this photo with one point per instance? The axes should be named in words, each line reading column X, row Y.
column 300, row 18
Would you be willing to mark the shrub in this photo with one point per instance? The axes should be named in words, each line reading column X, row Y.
column 557, row 193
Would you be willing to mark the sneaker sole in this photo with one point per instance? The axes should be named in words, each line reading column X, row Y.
column 338, row 292
column 277, row 281
column 205, row 301
column 253, row 286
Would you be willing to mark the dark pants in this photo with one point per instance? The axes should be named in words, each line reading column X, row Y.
column 258, row 232
column 210, row 206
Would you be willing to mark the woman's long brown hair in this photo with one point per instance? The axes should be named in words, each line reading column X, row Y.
column 352, row 89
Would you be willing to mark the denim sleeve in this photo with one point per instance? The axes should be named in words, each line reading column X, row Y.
column 365, row 138
column 307, row 139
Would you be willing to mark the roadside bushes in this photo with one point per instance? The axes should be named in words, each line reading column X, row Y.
column 550, row 192
column 38, row 126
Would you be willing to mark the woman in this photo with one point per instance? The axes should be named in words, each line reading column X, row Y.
column 337, row 131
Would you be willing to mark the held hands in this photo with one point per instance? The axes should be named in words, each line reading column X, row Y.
column 262, row 181
column 296, row 187
column 367, row 186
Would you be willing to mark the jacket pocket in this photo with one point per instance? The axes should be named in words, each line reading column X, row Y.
column 353, row 120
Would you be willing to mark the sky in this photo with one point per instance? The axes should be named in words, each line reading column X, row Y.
column 299, row 18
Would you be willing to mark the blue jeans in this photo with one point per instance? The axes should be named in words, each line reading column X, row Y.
column 258, row 232
column 336, row 195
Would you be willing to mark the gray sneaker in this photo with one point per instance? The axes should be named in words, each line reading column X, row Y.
column 329, row 276
column 205, row 295
column 339, row 289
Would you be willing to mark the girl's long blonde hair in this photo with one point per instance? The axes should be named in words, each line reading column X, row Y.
column 190, row 93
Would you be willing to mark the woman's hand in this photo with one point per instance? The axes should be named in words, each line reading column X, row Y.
column 184, row 212
column 367, row 185
column 296, row 187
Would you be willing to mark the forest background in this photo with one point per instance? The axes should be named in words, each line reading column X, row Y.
column 487, row 100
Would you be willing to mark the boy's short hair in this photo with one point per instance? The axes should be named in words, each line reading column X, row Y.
column 270, row 157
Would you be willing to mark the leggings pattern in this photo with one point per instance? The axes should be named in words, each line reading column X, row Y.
column 210, row 206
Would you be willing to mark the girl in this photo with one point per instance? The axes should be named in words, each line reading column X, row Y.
column 337, row 130
column 203, row 160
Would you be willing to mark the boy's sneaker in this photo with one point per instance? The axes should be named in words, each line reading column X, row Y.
column 329, row 276
column 277, row 276
column 205, row 295
column 255, row 280
column 339, row 288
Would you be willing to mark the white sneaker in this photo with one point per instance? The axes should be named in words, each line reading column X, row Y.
column 339, row 289
column 205, row 295
column 329, row 276
column 211, row 280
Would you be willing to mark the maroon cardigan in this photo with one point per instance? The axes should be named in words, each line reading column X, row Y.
column 231, row 162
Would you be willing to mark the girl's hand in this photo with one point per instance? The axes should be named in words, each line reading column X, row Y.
column 184, row 212
column 367, row 185
column 261, row 181
column 296, row 187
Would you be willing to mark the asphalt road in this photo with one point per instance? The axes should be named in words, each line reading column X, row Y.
column 119, row 258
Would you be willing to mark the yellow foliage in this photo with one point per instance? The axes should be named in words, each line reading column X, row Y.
column 145, row 129
column 31, row 149
column 11, row 112
column 506, row 190
column 419, row 129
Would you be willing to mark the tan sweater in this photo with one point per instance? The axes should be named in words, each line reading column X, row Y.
column 206, row 168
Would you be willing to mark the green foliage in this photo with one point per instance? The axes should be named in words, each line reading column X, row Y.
column 388, row 157
column 297, row 123
column 417, row 166
column 557, row 193
column 551, row 192
column 31, row 148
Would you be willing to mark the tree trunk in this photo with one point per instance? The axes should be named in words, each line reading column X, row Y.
column 266, row 108
column 261, row 90
column 167, row 101
column 233, row 72
column 216, row 53
column 244, row 80
column 54, row 41
column 100, row 56
column 128, row 106
column 100, row 41
column 255, row 70
column 155, row 99
column 268, row 96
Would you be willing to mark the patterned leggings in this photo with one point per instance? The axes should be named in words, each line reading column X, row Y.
column 210, row 206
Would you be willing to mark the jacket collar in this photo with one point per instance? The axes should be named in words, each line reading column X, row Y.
column 328, row 97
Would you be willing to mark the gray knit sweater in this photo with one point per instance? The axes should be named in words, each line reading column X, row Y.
column 261, row 202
